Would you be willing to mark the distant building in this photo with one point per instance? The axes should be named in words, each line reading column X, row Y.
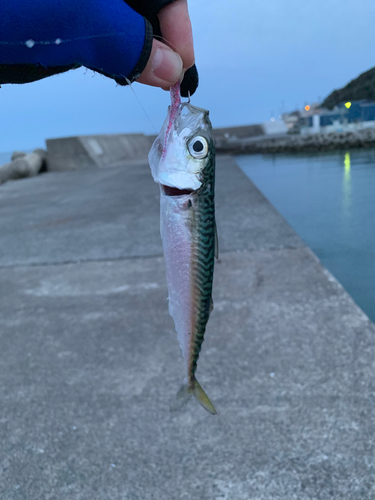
column 346, row 117
column 291, row 119
column 231, row 136
column 228, row 136
column 274, row 127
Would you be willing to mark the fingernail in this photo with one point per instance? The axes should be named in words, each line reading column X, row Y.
column 167, row 65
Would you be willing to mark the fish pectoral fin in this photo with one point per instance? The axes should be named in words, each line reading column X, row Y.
column 202, row 398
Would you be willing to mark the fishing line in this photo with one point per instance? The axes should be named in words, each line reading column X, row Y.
column 30, row 43
column 169, row 44
column 139, row 102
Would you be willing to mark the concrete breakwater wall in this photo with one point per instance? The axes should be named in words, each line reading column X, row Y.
column 299, row 143
column 96, row 151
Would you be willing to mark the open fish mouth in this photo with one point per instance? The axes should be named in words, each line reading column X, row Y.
column 173, row 191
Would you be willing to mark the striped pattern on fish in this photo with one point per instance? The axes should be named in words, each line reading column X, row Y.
column 203, row 230
column 184, row 167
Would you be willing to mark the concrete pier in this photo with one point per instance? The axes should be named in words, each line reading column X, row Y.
column 89, row 361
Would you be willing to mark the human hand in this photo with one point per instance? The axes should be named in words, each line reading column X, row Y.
column 40, row 38
column 166, row 66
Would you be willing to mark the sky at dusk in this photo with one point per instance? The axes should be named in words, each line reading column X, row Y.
column 255, row 60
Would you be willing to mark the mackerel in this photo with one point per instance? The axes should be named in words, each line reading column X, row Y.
column 182, row 161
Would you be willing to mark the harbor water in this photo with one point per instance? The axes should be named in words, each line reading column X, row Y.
column 329, row 200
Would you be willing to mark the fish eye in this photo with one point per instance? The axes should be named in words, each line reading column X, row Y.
column 198, row 147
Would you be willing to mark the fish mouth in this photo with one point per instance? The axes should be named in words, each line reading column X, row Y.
column 173, row 191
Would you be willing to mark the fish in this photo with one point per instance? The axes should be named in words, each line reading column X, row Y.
column 182, row 161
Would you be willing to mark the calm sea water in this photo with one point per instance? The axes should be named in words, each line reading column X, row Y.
column 329, row 200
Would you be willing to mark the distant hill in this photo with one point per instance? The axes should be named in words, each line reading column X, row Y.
column 362, row 87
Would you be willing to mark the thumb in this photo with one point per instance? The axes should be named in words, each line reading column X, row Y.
column 164, row 67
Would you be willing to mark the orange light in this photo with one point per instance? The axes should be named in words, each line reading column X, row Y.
column 307, row 108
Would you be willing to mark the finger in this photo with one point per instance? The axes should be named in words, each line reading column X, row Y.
column 164, row 68
column 176, row 28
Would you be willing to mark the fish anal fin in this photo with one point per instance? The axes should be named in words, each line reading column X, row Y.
column 202, row 397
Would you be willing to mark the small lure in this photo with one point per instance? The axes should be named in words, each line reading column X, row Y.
column 182, row 161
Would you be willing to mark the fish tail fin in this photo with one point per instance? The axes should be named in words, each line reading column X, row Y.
column 182, row 396
column 202, row 397
column 186, row 391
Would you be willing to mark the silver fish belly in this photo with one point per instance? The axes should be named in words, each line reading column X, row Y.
column 184, row 167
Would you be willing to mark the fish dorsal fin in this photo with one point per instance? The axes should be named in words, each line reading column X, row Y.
column 216, row 243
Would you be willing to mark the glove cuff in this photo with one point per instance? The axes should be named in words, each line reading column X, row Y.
column 146, row 52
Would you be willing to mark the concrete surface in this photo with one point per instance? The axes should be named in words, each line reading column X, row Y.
column 96, row 151
column 114, row 213
column 89, row 362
